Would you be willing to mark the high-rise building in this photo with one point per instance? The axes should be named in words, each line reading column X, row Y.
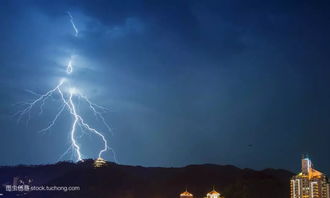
column 309, row 183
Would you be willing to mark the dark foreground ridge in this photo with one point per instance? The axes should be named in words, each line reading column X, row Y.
column 120, row 181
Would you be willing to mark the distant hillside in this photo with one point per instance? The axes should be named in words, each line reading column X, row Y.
column 120, row 181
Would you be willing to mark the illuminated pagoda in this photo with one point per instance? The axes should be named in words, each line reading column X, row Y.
column 186, row 194
column 99, row 162
column 309, row 183
column 213, row 194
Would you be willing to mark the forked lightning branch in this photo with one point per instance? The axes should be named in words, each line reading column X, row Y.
column 68, row 95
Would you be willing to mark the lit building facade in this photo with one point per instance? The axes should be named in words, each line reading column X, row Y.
column 309, row 183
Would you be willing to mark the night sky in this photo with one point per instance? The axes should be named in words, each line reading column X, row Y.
column 187, row 82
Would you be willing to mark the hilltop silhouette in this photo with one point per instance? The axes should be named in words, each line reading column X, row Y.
column 121, row 181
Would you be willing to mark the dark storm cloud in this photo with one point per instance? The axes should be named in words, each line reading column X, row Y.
column 187, row 81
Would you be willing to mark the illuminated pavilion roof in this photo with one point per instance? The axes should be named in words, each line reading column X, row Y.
column 213, row 192
column 186, row 194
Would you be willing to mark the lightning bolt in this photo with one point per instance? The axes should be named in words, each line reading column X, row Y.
column 98, row 114
column 52, row 123
column 67, row 99
column 42, row 99
column 73, row 25
column 69, row 67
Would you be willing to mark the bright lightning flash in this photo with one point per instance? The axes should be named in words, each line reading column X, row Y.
column 69, row 68
column 68, row 94
column 73, row 25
